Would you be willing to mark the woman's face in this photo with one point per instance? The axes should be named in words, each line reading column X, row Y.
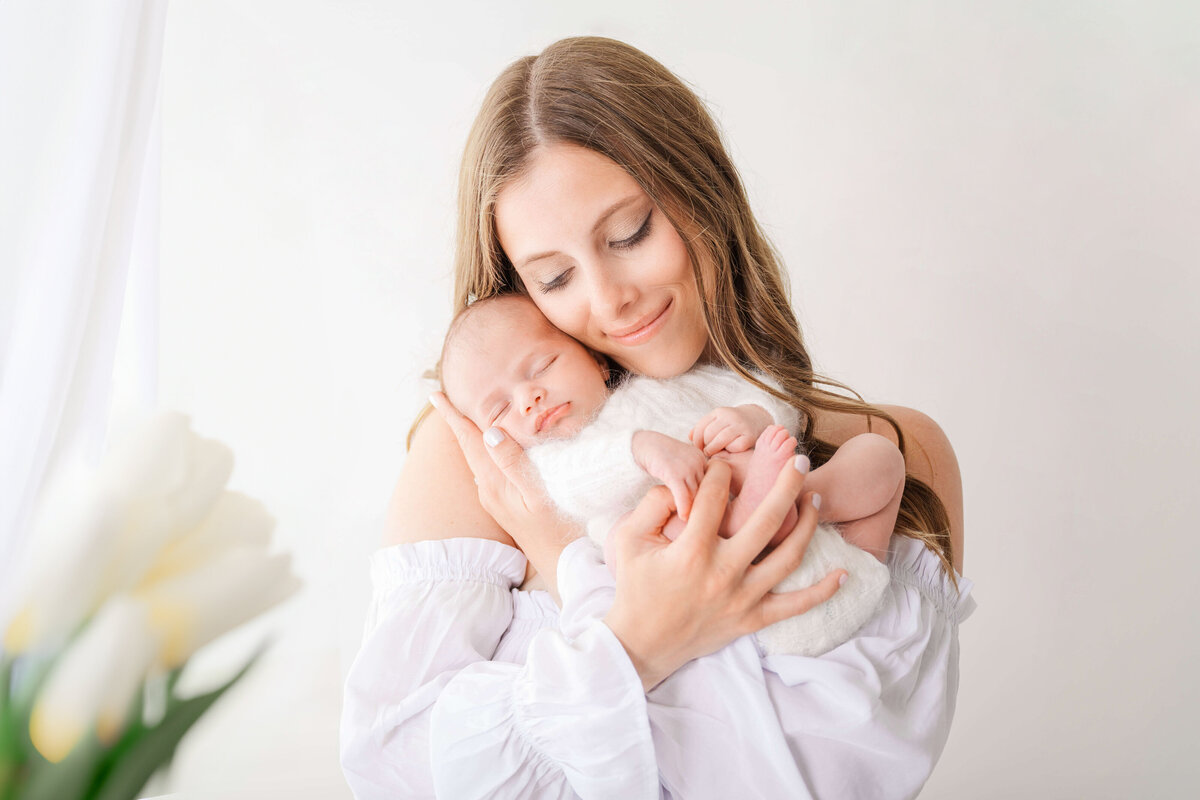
column 601, row 260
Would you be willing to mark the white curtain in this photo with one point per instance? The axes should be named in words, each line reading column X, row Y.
column 79, row 179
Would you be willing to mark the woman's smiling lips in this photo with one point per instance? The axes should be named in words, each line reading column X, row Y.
column 645, row 328
column 550, row 416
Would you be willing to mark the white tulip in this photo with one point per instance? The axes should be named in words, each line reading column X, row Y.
column 192, row 608
column 170, row 479
column 179, row 559
column 94, row 682
column 235, row 520
column 99, row 534
column 73, row 532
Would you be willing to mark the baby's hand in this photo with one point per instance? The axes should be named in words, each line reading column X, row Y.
column 734, row 430
column 679, row 465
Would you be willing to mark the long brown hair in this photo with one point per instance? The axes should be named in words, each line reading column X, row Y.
column 613, row 99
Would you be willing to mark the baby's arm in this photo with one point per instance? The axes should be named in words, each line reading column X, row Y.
column 860, row 488
column 679, row 465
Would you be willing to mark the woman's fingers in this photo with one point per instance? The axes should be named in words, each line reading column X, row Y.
column 708, row 506
column 788, row 554
column 647, row 518
column 470, row 441
column 493, row 447
column 747, row 542
column 776, row 607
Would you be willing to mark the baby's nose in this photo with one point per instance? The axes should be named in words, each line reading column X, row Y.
column 533, row 396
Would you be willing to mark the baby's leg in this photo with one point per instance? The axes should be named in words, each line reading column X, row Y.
column 861, row 487
column 757, row 475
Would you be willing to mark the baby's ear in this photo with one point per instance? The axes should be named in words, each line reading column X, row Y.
column 602, row 360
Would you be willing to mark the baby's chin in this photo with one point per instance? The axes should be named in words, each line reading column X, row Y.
column 567, row 429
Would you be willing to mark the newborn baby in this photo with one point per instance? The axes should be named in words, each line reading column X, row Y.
column 599, row 451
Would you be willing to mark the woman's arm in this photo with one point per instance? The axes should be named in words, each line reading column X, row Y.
column 436, row 496
column 428, row 711
column 928, row 457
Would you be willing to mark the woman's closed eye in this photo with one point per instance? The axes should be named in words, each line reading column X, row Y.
column 557, row 282
column 638, row 236
column 629, row 242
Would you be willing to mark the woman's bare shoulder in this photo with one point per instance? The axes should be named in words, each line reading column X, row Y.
column 435, row 497
column 929, row 456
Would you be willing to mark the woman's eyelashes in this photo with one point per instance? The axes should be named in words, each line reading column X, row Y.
column 561, row 279
column 557, row 282
column 632, row 241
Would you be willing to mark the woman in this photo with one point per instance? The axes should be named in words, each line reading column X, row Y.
column 595, row 181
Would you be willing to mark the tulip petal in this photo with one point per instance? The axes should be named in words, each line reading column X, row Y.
column 193, row 608
column 73, row 533
column 95, row 680
column 235, row 520
column 209, row 467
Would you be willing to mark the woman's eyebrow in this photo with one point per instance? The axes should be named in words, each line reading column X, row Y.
column 608, row 212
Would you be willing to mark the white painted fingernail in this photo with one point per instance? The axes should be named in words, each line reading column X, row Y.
column 493, row 437
column 802, row 464
column 433, row 400
column 816, row 501
column 842, row 580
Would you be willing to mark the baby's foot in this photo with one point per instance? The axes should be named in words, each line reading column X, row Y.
column 772, row 450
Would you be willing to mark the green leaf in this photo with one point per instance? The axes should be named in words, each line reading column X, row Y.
column 9, row 754
column 69, row 778
column 155, row 747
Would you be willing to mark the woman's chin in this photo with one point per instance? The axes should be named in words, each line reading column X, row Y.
column 664, row 365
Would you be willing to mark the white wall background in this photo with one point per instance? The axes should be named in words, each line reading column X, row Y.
column 990, row 212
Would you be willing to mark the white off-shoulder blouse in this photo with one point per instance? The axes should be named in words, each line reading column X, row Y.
column 466, row 687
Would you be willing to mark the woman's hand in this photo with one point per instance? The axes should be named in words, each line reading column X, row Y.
column 680, row 600
column 510, row 491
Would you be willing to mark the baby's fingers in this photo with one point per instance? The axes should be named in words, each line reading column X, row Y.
column 697, row 436
column 720, row 440
column 682, row 494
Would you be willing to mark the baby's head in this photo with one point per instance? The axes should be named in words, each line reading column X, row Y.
column 505, row 365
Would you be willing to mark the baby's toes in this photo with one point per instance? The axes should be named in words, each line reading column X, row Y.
column 776, row 439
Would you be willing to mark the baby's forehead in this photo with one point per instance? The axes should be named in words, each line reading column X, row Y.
column 508, row 316
column 496, row 325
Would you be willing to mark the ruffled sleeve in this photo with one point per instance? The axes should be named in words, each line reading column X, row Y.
column 437, row 606
column 428, row 714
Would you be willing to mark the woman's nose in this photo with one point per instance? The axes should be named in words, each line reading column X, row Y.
column 611, row 294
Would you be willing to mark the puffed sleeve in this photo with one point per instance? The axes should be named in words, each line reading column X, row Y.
column 428, row 714
column 571, row 722
column 436, row 607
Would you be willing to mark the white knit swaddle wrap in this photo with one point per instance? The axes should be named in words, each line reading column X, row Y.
column 593, row 478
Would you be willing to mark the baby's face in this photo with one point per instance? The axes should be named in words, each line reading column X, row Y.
column 508, row 367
